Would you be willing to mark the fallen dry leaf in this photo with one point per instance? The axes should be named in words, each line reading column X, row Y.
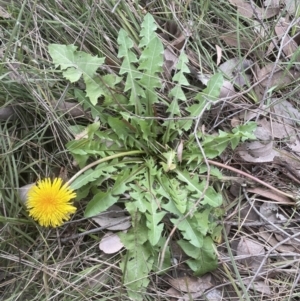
column 285, row 111
column 227, row 90
column 74, row 109
column 231, row 40
column 288, row 162
column 235, row 121
column 249, row 114
column 269, row 12
column 96, row 278
column 252, row 248
column 6, row 113
column 246, row 10
column 289, row 45
column 243, row 8
column 271, row 195
column 280, row 78
column 214, row 295
column 219, row 54
column 23, row 191
column 272, row 241
column 272, row 3
column 4, row 14
column 291, row 6
column 237, row 70
column 256, row 151
column 113, row 219
column 269, row 211
column 191, row 284
column 170, row 61
column 272, row 129
column 179, row 151
column 247, row 213
column 173, row 294
column 259, row 286
column 110, row 243
column 294, row 145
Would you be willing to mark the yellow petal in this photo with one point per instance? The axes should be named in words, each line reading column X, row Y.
column 49, row 203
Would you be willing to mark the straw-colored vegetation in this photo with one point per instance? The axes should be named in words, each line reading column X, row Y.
column 175, row 123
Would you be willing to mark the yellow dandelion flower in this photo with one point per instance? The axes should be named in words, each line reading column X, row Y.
column 49, row 202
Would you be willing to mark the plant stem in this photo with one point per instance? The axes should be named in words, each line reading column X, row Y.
column 250, row 177
column 130, row 153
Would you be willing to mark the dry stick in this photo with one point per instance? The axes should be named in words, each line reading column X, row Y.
column 272, row 249
column 249, row 277
column 276, row 62
column 254, row 224
column 280, row 49
column 115, row 7
column 283, row 232
column 260, row 20
column 296, row 281
column 95, row 230
column 251, row 177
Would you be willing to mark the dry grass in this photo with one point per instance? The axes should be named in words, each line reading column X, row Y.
column 35, row 263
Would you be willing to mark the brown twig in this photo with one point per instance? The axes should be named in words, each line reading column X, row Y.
column 252, row 178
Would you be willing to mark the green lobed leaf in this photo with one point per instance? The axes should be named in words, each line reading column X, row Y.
column 214, row 171
column 86, row 146
column 188, row 231
column 155, row 229
column 137, row 195
column 211, row 197
column 169, row 163
column 145, row 127
column 171, row 208
column 92, row 175
column 137, row 263
column 127, row 67
column 210, row 93
column 148, row 30
column 62, row 55
column 193, row 184
column 104, row 199
column 182, row 68
column 89, row 176
column 77, row 64
column 245, row 131
column 174, row 192
column 202, row 221
column 148, row 202
column 177, row 94
column 214, row 85
column 214, row 145
column 87, row 105
column 120, row 127
column 125, row 132
column 154, row 217
column 150, row 63
column 205, row 259
column 94, row 88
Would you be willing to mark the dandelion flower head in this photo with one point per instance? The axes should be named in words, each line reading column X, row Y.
column 48, row 202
